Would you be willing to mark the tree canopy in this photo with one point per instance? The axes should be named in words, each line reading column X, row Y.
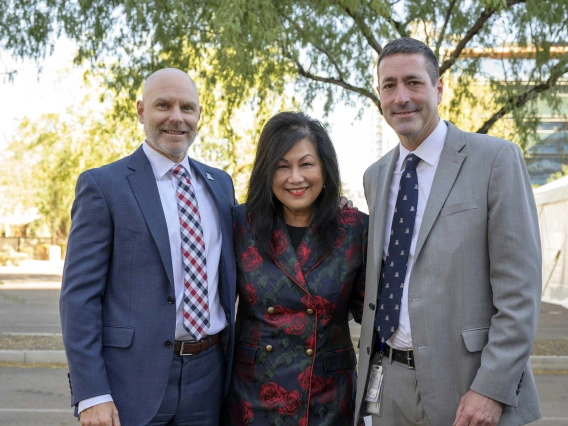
column 249, row 51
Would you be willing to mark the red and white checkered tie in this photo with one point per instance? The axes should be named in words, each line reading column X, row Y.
column 195, row 300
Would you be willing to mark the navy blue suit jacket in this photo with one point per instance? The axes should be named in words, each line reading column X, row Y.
column 116, row 311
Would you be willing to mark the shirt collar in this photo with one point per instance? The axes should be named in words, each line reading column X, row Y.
column 161, row 164
column 430, row 149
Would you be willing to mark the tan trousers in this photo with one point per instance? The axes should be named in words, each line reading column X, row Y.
column 401, row 404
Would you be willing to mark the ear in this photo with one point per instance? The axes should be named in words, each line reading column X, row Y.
column 140, row 111
column 440, row 90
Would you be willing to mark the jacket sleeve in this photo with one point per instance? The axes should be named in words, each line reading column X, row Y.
column 358, row 291
column 515, row 277
column 85, row 273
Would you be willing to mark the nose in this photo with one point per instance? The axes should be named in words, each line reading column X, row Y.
column 295, row 175
column 175, row 115
column 401, row 96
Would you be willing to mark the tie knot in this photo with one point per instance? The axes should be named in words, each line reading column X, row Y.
column 179, row 171
column 411, row 161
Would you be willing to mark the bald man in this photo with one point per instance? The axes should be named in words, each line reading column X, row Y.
column 148, row 293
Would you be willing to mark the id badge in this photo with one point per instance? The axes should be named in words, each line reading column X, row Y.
column 374, row 385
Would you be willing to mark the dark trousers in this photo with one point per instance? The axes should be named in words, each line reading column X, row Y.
column 194, row 391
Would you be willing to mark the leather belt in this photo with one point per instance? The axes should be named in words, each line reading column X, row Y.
column 193, row 348
column 405, row 357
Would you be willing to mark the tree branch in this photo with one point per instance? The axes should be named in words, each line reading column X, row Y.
column 444, row 27
column 483, row 18
column 367, row 32
column 338, row 82
column 321, row 49
column 518, row 101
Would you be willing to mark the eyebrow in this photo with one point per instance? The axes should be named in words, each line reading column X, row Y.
column 307, row 155
column 166, row 100
column 405, row 78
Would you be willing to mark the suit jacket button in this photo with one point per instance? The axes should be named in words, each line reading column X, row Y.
column 268, row 348
column 270, row 310
column 171, row 300
column 309, row 352
column 372, row 306
column 310, row 311
column 168, row 344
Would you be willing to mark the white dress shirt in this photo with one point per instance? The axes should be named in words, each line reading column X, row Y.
column 167, row 184
column 429, row 152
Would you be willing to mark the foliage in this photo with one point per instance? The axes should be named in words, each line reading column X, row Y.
column 251, row 49
column 44, row 159
column 559, row 174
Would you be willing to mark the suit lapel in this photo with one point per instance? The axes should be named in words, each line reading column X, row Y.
column 283, row 253
column 213, row 187
column 447, row 171
column 380, row 207
column 297, row 265
column 143, row 184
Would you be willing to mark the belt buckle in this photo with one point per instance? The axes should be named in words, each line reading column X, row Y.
column 181, row 349
column 409, row 359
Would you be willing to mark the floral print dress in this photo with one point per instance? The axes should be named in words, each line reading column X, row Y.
column 294, row 362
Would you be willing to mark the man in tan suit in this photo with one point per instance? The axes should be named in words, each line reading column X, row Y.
column 452, row 317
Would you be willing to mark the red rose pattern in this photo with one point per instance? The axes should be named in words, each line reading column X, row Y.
column 278, row 243
column 323, row 307
column 251, row 259
column 250, row 294
column 311, row 342
column 308, row 381
column 353, row 255
column 328, row 395
column 242, row 413
column 303, row 253
column 299, row 274
column 279, row 317
column 272, row 395
column 292, row 401
column 292, row 320
column 255, row 334
column 296, row 324
column 349, row 217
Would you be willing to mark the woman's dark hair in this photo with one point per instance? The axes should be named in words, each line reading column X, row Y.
column 279, row 136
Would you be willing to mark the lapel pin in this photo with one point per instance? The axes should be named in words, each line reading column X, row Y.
column 209, row 176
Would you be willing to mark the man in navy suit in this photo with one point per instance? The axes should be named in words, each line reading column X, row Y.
column 148, row 294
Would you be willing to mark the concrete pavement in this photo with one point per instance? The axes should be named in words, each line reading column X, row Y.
column 40, row 397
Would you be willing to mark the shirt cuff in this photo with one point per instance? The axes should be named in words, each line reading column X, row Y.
column 91, row 402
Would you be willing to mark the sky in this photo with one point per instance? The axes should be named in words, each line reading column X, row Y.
column 58, row 86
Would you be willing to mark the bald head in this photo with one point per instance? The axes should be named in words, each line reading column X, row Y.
column 170, row 112
column 165, row 75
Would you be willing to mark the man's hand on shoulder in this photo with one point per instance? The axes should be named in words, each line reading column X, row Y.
column 344, row 203
column 104, row 414
column 478, row 410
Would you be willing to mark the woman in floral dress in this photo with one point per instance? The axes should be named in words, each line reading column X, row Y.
column 300, row 269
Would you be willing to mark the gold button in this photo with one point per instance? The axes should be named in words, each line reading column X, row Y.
column 268, row 348
column 270, row 310
column 310, row 311
column 309, row 352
